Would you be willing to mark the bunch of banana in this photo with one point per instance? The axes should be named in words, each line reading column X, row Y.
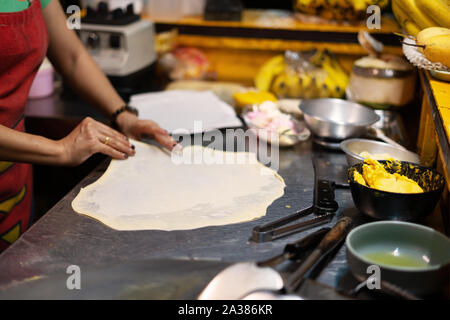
column 323, row 78
column 350, row 10
column 416, row 15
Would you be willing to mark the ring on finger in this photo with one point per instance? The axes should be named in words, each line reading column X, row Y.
column 106, row 140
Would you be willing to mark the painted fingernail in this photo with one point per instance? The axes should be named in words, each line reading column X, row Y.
column 125, row 156
column 133, row 147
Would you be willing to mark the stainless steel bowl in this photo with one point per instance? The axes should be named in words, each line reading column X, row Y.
column 353, row 147
column 336, row 118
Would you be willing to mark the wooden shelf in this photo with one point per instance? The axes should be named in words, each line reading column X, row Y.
column 281, row 20
column 275, row 31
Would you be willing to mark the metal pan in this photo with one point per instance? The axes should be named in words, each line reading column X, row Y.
column 336, row 118
column 354, row 147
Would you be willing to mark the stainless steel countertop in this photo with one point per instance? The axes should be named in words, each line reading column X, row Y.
column 63, row 237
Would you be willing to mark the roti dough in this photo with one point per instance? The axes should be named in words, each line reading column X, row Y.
column 151, row 191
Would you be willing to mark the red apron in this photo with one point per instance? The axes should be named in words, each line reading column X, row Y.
column 23, row 46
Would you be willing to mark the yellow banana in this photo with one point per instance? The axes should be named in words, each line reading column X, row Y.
column 419, row 18
column 339, row 82
column 404, row 21
column 410, row 27
column 328, row 62
column 399, row 14
column 437, row 10
column 335, row 90
column 425, row 34
column 437, row 49
column 266, row 73
column 279, row 86
column 308, row 85
column 320, row 79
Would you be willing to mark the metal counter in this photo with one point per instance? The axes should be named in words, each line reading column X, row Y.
column 62, row 238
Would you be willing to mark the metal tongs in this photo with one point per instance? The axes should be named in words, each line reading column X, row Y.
column 324, row 207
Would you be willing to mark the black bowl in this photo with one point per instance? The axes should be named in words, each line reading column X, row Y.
column 383, row 205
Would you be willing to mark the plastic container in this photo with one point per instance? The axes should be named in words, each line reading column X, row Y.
column 43, row 82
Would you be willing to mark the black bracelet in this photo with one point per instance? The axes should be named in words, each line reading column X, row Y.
column 123, row 109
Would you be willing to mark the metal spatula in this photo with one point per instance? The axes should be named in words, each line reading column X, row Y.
column 247, row 279
column 241, row 278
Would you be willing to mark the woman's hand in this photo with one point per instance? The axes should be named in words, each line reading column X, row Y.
column 91, row 137
column 134, row 128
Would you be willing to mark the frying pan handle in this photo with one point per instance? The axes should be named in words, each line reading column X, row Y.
column 380, row 135
column 335, row 234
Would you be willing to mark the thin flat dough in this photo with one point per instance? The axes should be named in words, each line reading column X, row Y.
column 150, row 191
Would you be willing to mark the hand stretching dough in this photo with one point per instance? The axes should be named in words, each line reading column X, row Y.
column 150, row 191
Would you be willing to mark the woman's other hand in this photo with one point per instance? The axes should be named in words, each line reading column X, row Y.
column 91, row 137
column 134, row 128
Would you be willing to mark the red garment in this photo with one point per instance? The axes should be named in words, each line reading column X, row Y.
column 23, row 46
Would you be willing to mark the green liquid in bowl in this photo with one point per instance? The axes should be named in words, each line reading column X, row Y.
column 398, row 260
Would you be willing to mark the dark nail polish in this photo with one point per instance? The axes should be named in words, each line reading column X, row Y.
column 133, row 147
column 125, row 156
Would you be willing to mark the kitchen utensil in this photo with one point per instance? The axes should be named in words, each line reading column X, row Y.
column 241, row 278
column 383, row 205
column 328, row 243
column 354, row 147
column 391, row 126
column 411, row 256
column 337, row 118
column 385, row 287
column 377, row 132
column 324, row 206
